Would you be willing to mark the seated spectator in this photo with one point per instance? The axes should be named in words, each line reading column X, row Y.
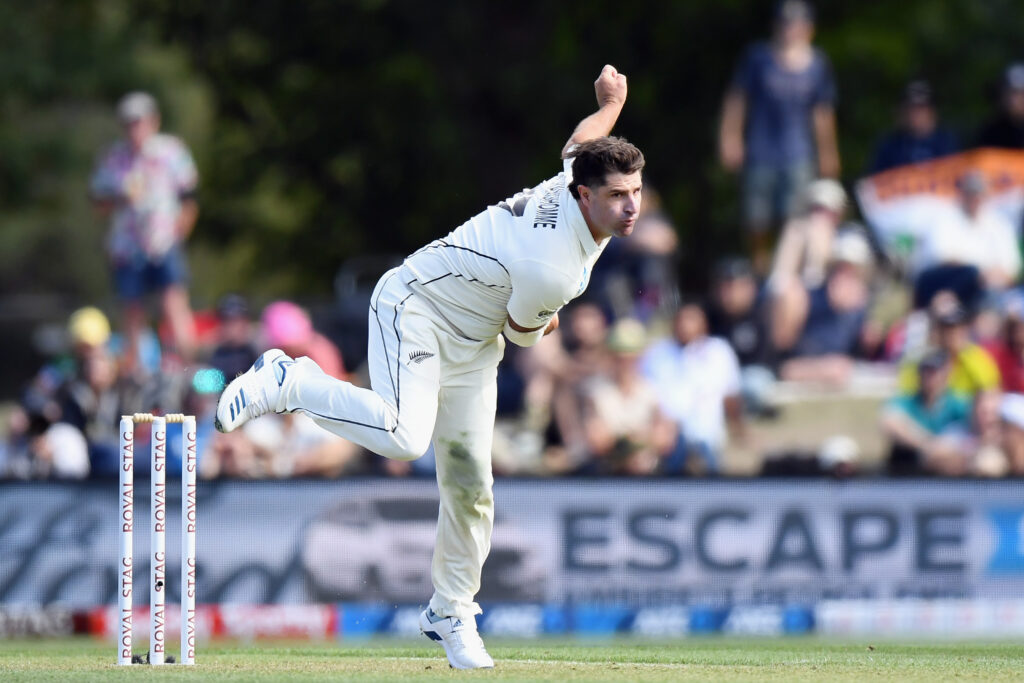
column 806, row 244
column 1011, row 411
column 92, row 403
column 1007, row 350
column 289, row 328
column 624, row 428
column 919, row 137
column 968, row 249
column 924, row 425
column 736, row 313
column 235, row 349
column 972, row 369
column 1006, row 128
column 292, row 445
column 697, row 379
column 821, row 330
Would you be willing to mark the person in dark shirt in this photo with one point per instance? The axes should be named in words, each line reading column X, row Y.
column 919, row 136
column 778, row 123
column 235, row 350
column 1006, row 128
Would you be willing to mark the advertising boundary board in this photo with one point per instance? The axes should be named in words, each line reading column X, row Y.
column 634, row 544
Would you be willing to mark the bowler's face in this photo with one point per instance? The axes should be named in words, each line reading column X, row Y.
column 613, row 207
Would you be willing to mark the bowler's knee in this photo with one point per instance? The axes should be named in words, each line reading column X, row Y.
column 405, row 445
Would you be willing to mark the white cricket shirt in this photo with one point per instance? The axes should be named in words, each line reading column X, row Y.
column 525, row 257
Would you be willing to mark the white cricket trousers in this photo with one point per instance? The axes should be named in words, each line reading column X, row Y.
column 426, row 385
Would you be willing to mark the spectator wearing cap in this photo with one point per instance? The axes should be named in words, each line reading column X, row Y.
column 819, row 331
column 624, row 428
column 1006, row 128
column 736, row 313
column 918, row 137
column 697, row 379
column 927, row 425
column 972, row 369
column 805, row 247
column 968, row 249
column 287, row 327
column 236, row 349
column 146, row 183
column 778, row 123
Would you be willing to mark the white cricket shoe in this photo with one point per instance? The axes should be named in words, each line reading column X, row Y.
column 459, row 639
column 253, row 393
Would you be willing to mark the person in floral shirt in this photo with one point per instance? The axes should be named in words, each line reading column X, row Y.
column 146, row 183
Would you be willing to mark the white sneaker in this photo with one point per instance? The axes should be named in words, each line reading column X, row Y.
column 459, row 638
column 253, row 393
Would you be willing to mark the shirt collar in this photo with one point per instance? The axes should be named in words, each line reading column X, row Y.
column 579, row 224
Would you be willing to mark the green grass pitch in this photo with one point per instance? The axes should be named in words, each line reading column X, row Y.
column 703, row 659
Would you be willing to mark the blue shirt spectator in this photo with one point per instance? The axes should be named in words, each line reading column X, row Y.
column 919, row 136
column 779, row 105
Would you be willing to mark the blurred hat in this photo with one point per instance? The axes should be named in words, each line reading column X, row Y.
column 948, row 311
column 89, row 326
column 232, row 306
column 935, row 359
column 627, row 336
column 286, row 324
column 851, row 246
column 918, row 94
column 733, row 268
column 972, row 182
column 826, row 193
column 794, row 10
column 1013, row 77
column 136, row 105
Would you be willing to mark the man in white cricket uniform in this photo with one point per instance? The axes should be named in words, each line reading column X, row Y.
column 436, row 326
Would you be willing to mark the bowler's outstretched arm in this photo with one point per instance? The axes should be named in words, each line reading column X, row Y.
column 610, row 88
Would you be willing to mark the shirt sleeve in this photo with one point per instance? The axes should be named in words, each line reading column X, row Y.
column 538, row 292
column 186, row 177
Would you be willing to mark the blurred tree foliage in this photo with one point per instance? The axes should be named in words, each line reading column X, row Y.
column 328, row 128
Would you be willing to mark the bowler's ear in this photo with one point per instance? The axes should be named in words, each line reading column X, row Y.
column 584, row 192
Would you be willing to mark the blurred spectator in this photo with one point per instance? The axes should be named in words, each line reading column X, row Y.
column 968, row 242
column 235, row 349
column 926, row 425
column 821, row 330
column 838, row 456
column 93, row 402
column 778, row 123
column 289, row 328
column 806, row 244
column 624, row 428
column 637, row 277
column 697, row 379
column 1007, row 350
column 293, row 446
column 919, row 137
column 147, row 183
column 972, row 369
column 1006, row 128
column 1011, row 410
column 736, row 313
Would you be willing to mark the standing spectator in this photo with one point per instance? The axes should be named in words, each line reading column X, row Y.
column 918, row 137
column 697, row 379
column 968, row 242
column 737, row 314
column 778, row 123
column 147, row 184
column 1006, row 128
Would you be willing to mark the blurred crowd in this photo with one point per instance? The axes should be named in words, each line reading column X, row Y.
column 641, row 378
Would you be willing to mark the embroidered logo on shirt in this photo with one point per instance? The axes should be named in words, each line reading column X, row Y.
column 419, row 356
column 545, row 314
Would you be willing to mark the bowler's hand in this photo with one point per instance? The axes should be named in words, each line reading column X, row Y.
column 610, row 87
column 552, row 325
